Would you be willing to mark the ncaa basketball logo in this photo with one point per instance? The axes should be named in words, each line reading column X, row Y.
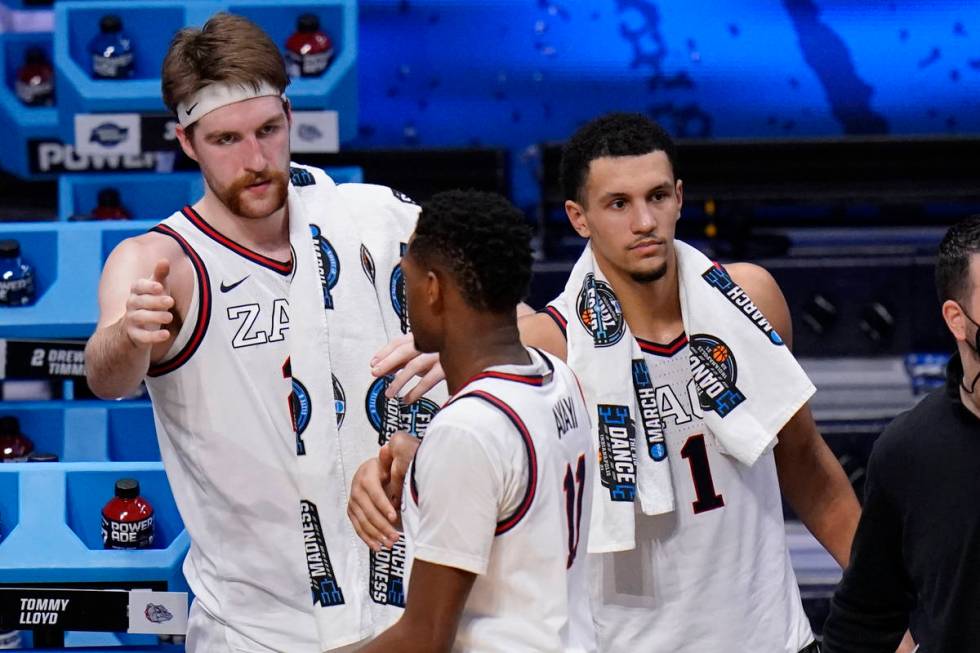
column 390, row 415
column 715, row 374
column 339, row 401
column 327, row 263
column 599, row 312
column 397, row 291
column 300, row 410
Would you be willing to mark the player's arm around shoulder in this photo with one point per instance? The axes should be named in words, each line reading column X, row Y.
column 144, row 291
column 809, row 475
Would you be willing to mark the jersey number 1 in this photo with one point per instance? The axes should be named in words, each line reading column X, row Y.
column 697, row 456
column 574, row 489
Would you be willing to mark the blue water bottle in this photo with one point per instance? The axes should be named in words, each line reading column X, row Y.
column 16, row 277
column 112, row 50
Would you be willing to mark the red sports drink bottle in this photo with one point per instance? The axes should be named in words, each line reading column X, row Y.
column 308, row 51
column 127, row 520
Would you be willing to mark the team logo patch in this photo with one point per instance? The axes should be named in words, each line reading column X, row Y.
column 402, row 197
column 300, row 409
column 327, row 263
column 397, row 291
column 599, row 312
column 717, row 277
column 715, row 373
column 367, row 262
column 646, row 400
column 109, row 134
column 339, row 401
column 323, row 580
column 617, row 459
column 388, row 575
column 157, row 614
column 300, row 177
column 390, row 415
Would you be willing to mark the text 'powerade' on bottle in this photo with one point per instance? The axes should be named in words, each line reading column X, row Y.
column 16, row 276
column 127, row 519
column 112, row 50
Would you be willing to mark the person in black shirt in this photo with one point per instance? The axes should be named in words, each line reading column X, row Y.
column 915, row 561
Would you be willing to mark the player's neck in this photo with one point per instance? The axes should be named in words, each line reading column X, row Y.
column 268, row 236
column 652, row 309
column 474, row 345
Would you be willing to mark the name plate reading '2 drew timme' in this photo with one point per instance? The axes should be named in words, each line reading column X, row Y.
column 137, row 611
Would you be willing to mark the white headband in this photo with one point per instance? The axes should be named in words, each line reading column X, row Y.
column 217, row 95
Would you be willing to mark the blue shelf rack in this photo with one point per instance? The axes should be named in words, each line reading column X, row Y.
column 152, row 24
column 147, row 195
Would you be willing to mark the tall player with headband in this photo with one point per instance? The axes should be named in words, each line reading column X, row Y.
column 198, row 308
column 915, row 556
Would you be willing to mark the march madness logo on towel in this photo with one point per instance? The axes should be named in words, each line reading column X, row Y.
column 715, row 373
column 598, row 311
column 718, row 277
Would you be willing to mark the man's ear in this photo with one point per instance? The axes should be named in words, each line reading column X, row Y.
column 955, row 319
column 679, row 189
column 576, row 215
column 434, row 292
column 185, row 142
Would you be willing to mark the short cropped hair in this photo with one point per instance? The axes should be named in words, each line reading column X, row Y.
column 613, row 134
column 953, row 265
column 483, row 241
column 229, row 49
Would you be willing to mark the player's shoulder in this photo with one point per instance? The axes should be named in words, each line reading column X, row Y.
column 753, row 278
column 148, row 246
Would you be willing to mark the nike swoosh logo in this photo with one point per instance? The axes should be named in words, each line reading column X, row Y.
column 226, row 288
column 191, row 108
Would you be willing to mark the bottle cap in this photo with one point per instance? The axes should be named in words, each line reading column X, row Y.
column 127, row 488
column 307, row 23
column 110, row 23
column 108, row 197
column 42, row 458
column 9, row 425
column 35, row 56
column 9, row 248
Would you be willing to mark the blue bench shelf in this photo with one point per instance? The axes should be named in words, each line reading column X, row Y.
column 152, row 24
column 147, row 195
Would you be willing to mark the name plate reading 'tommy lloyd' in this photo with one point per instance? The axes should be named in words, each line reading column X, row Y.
column 137, row 611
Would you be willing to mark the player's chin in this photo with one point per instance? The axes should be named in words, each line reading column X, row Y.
column 649, row 271
column 258, row 208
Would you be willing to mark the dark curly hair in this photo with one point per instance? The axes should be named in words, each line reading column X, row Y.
column 613, row 134
column 483, row 241
column 953, row 266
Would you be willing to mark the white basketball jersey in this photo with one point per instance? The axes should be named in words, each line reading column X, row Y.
column 501, row 487
column 714, row 574
column 221, row 405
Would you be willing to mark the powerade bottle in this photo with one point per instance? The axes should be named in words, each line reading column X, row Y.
column 109, row 206
column 127, row 520
column 112, row 50
column 308, row 51
column 35, row 79
column 15, row 447
column 16, row 276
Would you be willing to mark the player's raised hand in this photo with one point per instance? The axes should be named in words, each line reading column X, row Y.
column 148, row 308
column 401, row 357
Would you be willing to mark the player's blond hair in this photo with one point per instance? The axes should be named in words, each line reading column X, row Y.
column 229, row 49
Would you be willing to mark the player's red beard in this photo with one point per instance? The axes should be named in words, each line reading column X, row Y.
column 234, row 195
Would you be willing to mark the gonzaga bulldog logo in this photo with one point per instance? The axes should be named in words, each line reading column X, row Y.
column 390, row 415
column 599, row 312
column 715, row 374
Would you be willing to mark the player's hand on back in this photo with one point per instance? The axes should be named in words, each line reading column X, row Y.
column 399, row 357
column 148, row 308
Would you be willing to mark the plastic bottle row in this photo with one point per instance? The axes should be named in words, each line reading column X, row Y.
column 106, row 57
